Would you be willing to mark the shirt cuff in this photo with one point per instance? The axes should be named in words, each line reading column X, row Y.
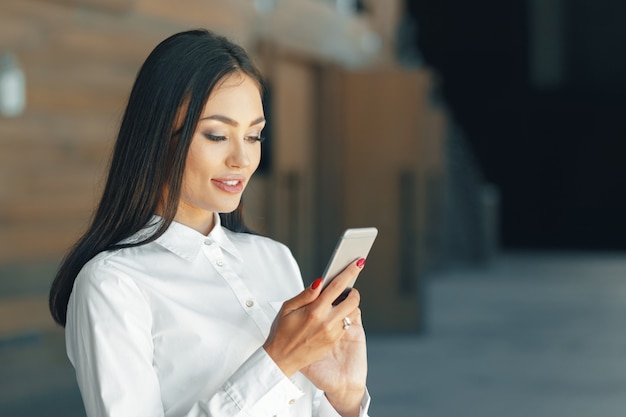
column 259, row 387
column 327, row 410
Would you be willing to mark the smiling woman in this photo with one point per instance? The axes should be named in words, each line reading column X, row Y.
column 224, row 153
column 170, row 306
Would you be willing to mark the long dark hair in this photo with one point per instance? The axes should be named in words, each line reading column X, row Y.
column 150, row 151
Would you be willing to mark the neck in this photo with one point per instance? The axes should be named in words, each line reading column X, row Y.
column 200, row 220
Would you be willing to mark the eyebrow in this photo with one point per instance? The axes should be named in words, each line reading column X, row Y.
column 230, row 121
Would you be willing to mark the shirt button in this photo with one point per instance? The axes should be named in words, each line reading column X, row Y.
column 249, row 303
column 292, row 401
column 219, row 262
column 208, row 242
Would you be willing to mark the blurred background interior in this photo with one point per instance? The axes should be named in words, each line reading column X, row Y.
column 483, row 139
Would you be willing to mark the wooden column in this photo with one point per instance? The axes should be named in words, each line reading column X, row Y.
column 378, row 150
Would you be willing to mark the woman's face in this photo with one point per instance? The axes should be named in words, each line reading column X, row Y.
column 224, row 152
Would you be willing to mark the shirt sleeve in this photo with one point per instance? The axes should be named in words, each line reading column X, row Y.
column 109, row 342
column 325, row 409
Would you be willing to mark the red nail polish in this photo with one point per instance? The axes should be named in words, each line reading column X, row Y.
column 360, row 263
column 316, row 283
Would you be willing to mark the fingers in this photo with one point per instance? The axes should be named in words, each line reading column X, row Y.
column 331, row 292
column 305, row 297
column 359, row 318
column 309, row 326
column 352, row 320
column 338, row 285
column 348, row 307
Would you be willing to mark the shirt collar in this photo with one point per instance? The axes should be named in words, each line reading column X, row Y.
column 220, row 235
column 186, row 242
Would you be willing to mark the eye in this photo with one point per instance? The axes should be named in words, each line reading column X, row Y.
column 255, row 138
column 215, row 138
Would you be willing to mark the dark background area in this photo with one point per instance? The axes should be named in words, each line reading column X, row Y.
column 539, row 89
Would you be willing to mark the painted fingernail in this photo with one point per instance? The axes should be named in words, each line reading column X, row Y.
column 316, row 283
column 360, row 263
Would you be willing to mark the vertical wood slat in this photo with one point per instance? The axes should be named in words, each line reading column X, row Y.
column 293, row 136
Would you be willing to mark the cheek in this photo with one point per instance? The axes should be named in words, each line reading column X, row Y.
column 191, row 167
column 197, row 168
column 255, row 157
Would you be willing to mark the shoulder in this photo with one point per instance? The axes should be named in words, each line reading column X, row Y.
column 99, row 267
column 107, row 273
column 105, row 299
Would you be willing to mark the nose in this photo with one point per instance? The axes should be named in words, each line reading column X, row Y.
column 238, row 156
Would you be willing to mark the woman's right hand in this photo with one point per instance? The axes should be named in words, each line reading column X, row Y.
column 308, row 326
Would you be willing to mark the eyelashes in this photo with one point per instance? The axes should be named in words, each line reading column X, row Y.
column 255, row 138
column 214, row 138
column 218, row 138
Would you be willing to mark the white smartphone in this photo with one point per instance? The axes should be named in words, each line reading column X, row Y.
column 352, row 245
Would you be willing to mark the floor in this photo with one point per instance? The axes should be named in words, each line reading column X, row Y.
column 534, row 334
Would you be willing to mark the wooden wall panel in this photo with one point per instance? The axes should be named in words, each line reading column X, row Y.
column 386, row 144
column 79, row 69
column 382, row 110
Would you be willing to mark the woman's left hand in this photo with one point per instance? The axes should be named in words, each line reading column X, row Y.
column 342, row 372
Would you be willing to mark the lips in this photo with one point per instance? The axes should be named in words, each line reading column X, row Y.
column 233, row 185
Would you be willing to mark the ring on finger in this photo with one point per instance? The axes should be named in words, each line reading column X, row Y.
column 346, row 323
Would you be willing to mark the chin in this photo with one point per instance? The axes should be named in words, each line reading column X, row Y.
column 229, row 208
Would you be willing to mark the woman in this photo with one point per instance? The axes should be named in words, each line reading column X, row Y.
column 170, row 307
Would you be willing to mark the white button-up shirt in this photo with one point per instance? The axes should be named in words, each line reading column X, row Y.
column 176, row 327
